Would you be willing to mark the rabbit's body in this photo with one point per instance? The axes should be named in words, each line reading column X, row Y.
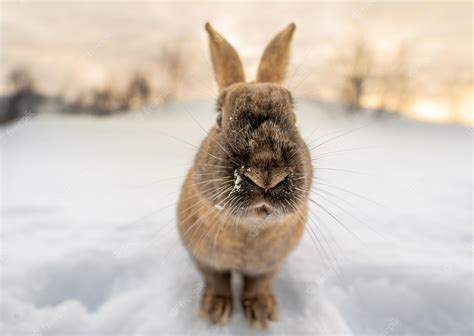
column 243, row 206
column 241, row 245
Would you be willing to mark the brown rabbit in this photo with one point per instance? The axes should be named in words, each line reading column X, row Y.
column 243, row 206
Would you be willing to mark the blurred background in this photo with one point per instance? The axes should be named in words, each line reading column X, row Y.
column 105, row 58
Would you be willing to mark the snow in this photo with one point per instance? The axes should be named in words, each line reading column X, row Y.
column 237, row 180
column 90, row 246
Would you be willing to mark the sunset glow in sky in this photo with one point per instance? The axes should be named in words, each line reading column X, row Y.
column 102, row 41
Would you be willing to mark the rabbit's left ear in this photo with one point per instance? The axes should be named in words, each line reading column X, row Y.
column 275, row 58
column 225, row 60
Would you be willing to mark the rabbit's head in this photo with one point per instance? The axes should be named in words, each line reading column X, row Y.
column 254, row 162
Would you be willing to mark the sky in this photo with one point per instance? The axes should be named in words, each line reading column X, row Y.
column 76, row 45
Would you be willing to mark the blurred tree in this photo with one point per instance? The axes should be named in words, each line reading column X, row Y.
column 20, row 79
column 356, row 64
column 110, row 99
column 392, row 83
column 172, row 63
column 23, row 100
column 138, row 90
column 455, row 84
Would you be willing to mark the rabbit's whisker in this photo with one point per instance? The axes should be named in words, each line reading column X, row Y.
column 223, row 222
column 335, row 219
column 332, row 258
column 218, row 194
column 323, row 155
column 339, row 135
column 207, row 133
column 213, row 196
column 341, row 170
column 213, row 221
column 214, row 172
column 345, row 211
column 209, row 181
column 212, row 165
column 159, row 181
column 320, row 220
column 345, row 190
column 327, row 256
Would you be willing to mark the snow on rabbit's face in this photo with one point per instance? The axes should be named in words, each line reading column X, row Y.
column 254, row 165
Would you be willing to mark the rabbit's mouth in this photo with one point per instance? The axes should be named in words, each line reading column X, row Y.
column 265, row 212
column 262, row 210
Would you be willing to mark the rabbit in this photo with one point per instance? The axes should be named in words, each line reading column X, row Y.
column 244, row 202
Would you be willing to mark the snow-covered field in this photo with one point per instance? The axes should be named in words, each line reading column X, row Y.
column 90, row 247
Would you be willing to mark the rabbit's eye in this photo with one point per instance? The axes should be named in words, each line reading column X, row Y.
column 219, row 120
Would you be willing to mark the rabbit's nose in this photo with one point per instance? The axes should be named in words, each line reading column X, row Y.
column 266, row 181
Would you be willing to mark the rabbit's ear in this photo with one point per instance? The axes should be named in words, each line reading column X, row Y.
column 274, row 61
column 225, row 60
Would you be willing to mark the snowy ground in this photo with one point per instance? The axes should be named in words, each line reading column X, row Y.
column 89, row 245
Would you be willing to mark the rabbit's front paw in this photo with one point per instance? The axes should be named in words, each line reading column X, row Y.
column 260, row 309
column 215, row 308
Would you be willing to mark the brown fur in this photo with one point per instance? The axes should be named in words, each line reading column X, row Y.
column 226, row 62
column 275, row 58
column 253, row 155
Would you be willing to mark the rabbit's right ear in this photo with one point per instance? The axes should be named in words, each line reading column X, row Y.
column 225, row 60
column 272, row 68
